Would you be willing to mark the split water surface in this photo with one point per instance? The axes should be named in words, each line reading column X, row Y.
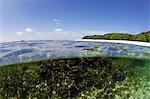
column 74, row 70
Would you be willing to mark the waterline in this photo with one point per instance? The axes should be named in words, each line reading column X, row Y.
column 118, row 41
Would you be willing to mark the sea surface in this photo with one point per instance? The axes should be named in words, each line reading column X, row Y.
column 19, row 51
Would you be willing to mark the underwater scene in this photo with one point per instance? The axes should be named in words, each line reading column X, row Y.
column 48, row 69
column 74, row 49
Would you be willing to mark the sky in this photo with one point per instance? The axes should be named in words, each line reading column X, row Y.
column 71, row 19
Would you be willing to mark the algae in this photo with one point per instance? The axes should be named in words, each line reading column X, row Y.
column 94, row 49
column 75, row 78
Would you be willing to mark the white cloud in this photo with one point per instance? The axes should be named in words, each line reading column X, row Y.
column 29, row 30
column 19, row 33
column 55, row 34
column 26, row 31
column 56, row 21
column 58, row 30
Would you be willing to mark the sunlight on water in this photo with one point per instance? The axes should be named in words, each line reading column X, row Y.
column 12, row 52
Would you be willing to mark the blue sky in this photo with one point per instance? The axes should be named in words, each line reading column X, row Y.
column 71, row 19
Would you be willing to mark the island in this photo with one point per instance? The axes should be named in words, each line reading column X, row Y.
column 144, row 36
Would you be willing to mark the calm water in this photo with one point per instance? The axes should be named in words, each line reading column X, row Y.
column 136, row 85
column 12, row 52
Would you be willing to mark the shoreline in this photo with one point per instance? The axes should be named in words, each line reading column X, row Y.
column 109, row 41
column 118, row 41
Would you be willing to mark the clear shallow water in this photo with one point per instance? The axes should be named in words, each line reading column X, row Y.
column 135, row 85
column 12, row 52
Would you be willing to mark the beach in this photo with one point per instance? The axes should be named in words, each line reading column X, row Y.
column 118, row 41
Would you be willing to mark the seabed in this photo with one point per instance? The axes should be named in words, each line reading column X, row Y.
column 77, row 78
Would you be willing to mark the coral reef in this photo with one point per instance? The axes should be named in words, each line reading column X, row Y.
column 81, row 78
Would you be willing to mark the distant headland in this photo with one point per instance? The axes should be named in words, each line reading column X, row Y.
column 144, row 36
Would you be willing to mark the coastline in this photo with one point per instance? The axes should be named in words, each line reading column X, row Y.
column 118, row 41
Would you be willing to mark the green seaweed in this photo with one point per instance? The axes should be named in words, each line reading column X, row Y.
column 94, row 49
column 79, row 78
column 146, row 54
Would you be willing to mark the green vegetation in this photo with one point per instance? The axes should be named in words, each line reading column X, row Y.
column 94, row 49
column 146, row 54
column 77, row 78
column 144, row 36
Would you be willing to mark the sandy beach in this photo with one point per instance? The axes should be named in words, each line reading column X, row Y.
column 118, row 41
